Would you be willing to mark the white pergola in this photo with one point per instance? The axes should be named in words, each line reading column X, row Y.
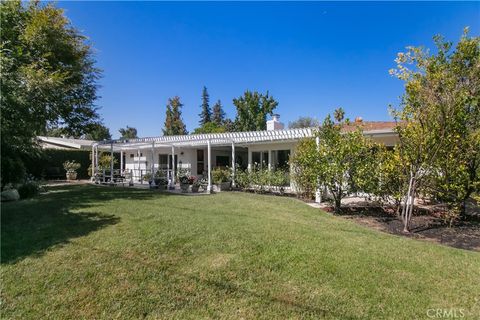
column 197, row 140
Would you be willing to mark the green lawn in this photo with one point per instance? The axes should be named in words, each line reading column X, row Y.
column 98, row 252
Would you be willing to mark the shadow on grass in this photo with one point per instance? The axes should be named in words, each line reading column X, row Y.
column 30, row 227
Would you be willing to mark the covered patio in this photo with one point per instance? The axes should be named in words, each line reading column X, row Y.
column 198, row 154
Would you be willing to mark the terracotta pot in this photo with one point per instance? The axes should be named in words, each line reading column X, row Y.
column 71, row 175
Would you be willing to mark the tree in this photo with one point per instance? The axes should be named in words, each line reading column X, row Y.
column 304, row 174
column 209, row 127
column 341, row 162
column 440, row 123
column 206, row 114
column 98, row 132
column 252, row 111
column 173, row 119
column 128, row 133
column 218, row 116
column 304, row 122
column 48, row 78
column 339, row 114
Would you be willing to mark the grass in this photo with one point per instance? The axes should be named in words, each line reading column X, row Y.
column 97, row 252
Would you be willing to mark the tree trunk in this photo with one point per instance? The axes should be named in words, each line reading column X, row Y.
column 408, row 203
column 338, row 204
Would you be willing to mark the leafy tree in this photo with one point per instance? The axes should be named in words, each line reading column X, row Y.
column 206, row 114
column 128, row 133
column 209, row 127
column 304, row 174
column 98, row 132
column 341, row 162
column 173, row 120
column 389, row 176
column 439, row 128
column 252, row 111
column 48, row 78
column 304, row 122
column 218, row 116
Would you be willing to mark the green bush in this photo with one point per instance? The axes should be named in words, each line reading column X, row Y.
column 28, row 189
column 220, row 175
column 49, row 165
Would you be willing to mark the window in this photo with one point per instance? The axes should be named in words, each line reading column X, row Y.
column 200, row 161
column 163, row 161
column 132, row 155
column 260, row 158
column 280, row 159
column 222, row 161
column 170, row 161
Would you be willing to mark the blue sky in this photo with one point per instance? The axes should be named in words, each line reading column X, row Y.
column 312, row 57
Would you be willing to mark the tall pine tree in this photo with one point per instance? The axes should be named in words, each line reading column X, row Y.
column 206, row 114
column 218, row 116
column 173, row 118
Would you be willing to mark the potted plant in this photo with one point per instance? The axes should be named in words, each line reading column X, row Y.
column 71, row 168
column 221, row 179
column 195, row 184
column 184, row 179
column 160, row 180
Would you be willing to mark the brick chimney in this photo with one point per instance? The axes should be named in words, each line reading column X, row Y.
column 275, row 123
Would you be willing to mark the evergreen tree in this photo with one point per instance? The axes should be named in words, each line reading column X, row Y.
column 128, row 133
column 206, row 114
column 218, row 116
column 173, row 119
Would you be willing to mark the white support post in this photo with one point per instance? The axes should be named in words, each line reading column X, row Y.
column 249, row 160
column 270, row 167
column 233, row 164
column 173, row 166
column 138, row 166
column 111, row 162
column 209, row 167
column 96, row 158
column 168, row 173
column 93, row 163
column 121, row 162
column 153, row 158
column 318, row 193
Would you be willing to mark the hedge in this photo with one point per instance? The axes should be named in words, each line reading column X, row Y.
column 49, row 165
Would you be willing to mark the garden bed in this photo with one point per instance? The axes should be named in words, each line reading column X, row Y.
column 464, row 235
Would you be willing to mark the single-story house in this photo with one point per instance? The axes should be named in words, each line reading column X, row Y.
column 200, row 153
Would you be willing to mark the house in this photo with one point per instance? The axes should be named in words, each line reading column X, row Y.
column 200, row 153
column 64, row 143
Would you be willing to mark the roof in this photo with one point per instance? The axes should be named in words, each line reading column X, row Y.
column 65, row 143
column 371, row 125
column 248, row 137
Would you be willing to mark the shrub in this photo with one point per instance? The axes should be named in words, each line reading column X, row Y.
column 242, row 179
column 304, row 173
column 28, row 189
column 220, row 175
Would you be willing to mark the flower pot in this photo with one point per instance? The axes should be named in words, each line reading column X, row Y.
column 71, row 175
column 184, row 187
column 195, row 188
column 223, row 186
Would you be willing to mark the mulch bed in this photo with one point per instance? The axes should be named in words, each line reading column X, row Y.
column 464, row 234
